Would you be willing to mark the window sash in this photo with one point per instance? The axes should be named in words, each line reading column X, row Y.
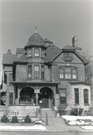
column 29, row 53
column 43, row 52
column 85, row 96
column 29, row 71
column 63, row 96
column 61, row 74
column 42, row 72
column 36, row 71
column 76, row 95
column 37, row 52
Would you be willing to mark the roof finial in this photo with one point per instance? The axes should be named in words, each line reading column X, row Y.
column 35, row 29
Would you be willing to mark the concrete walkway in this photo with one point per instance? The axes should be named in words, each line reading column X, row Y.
column 56, row 124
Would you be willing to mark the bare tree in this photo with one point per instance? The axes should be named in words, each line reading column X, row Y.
column 89, row 67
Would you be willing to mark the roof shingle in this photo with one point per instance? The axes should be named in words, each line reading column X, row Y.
column 8, row 58
column 21, row 59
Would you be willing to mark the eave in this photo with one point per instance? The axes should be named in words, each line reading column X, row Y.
column 33, row 83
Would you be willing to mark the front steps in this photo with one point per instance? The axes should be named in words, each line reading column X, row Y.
column 49, row 112
column 52, row 120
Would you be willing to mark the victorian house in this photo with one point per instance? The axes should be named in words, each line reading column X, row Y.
column 41, row 74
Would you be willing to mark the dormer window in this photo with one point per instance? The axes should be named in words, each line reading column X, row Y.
column 37, row 52
column 29, row 52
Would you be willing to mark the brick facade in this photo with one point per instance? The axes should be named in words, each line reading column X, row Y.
column 51, row 85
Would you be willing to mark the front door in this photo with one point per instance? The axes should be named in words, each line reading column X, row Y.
column 44, row 103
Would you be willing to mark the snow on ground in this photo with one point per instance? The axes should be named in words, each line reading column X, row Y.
column 23, row 128
column 87, row 127
column 79, row 120
column 69, row 118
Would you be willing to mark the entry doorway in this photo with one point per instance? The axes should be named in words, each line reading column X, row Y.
column 46, row 98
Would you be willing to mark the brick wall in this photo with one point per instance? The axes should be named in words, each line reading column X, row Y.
column 80, row 72
column 21, row 72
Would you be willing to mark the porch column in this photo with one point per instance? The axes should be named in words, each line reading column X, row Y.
column 36, row 98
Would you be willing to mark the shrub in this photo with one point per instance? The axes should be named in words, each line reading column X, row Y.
column 4, row 119
column 27, row 119
column 14, row 119
column 75, row 112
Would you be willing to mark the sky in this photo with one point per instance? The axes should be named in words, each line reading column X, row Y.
column 57, row 20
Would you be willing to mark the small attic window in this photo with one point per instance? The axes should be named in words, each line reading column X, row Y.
column 29, row 52
column 67, row 56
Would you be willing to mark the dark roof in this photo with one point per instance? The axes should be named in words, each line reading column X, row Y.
column 47, row 40
column 20, row 51
column 67, row 47
column 78, row 54
column 8, row 58
column 70, row 48
column 35, row 40
column 52, row 52
column 21, row 59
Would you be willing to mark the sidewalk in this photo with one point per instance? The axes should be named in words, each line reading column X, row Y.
column 62, row 128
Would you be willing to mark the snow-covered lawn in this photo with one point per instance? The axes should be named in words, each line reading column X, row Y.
column 87, row 127
column 78, row 120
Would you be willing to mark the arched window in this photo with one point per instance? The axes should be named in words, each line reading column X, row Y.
column 85, row 96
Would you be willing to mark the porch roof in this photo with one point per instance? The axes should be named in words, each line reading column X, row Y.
column 29, row 82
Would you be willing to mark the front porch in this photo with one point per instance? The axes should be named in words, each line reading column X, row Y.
column 34, row 94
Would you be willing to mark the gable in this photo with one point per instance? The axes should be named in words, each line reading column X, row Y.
column 75, row 59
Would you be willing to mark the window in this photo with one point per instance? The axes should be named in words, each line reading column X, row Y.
column 85, row 96
column 36, row 71
column 68, row 73
column 76, row 95
column 67, row 55
column 74, row 73
column 61, row 74
column 37, row 52
column 10, row 98
column 29, row 52
column 63, row 96
column 43, row 52
column 42, row 72
column 29, row 71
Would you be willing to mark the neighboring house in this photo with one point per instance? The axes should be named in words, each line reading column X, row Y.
column 45, row 75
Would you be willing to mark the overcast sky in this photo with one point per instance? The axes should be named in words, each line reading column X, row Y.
column 56, row 20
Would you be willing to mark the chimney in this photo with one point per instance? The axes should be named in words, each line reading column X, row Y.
column 75, row 41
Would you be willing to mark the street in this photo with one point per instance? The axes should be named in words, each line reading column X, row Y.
column 44, row 133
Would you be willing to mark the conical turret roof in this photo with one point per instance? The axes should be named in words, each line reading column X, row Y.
column 35, row 40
